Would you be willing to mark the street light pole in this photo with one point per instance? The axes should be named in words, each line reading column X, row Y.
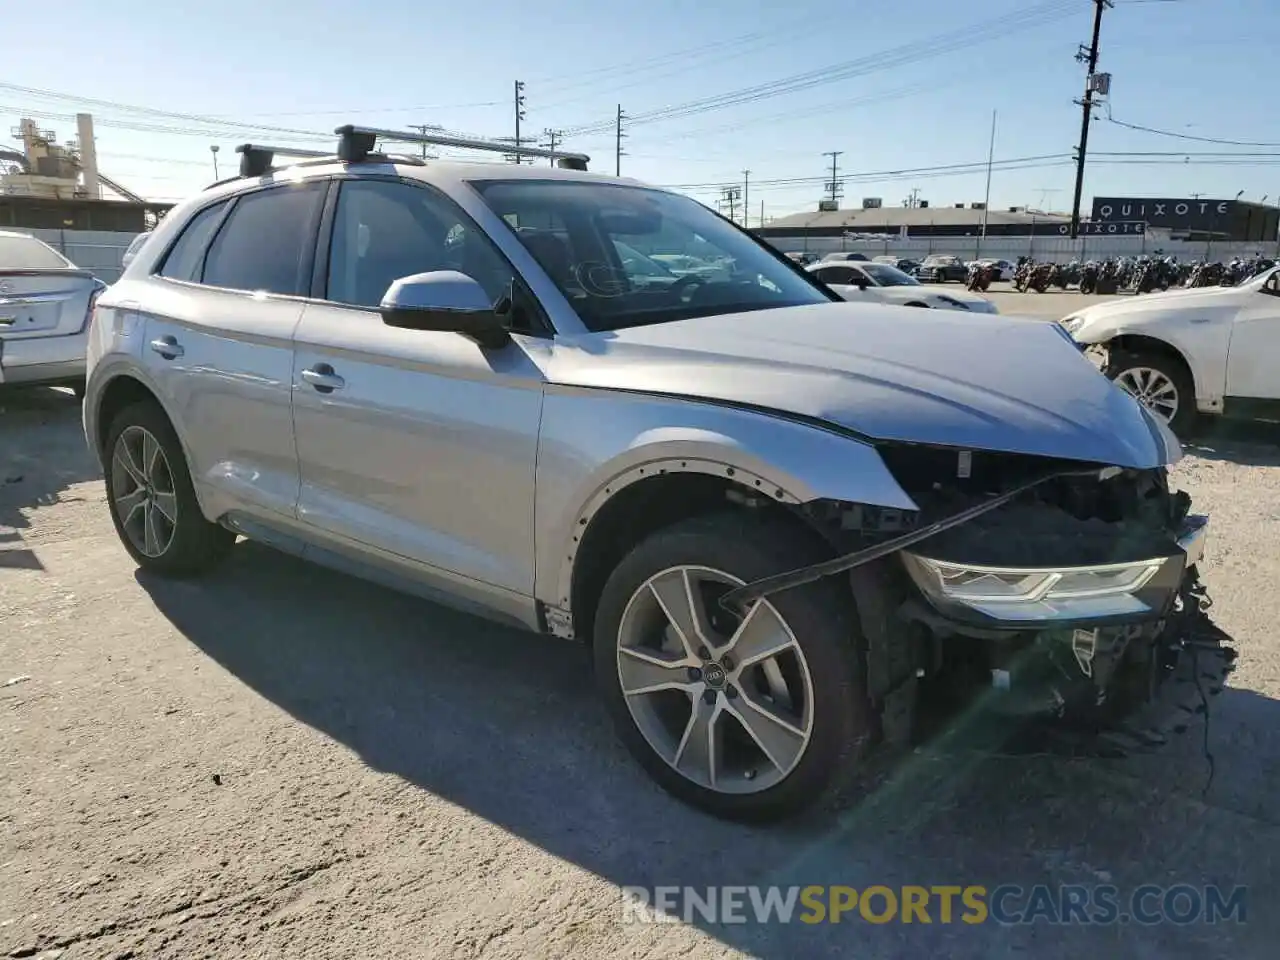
column 213, row 148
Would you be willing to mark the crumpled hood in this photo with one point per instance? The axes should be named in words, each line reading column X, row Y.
column 977, row 382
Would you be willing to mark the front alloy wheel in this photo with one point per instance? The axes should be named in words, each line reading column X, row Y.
column 1153, row 389
column 726, row 703
column 1160, row 383
column 749, row 717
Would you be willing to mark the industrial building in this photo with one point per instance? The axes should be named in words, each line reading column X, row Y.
column 919, row 221
column 51, row 186
column 1194, row 218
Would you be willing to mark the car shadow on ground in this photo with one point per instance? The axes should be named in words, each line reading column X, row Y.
column 505, row 724
column 1248, row 444
column 36, row 474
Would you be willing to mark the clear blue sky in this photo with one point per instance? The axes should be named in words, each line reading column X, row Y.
column 914, row 85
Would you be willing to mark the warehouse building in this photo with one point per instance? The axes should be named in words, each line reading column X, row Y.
column 923, row 220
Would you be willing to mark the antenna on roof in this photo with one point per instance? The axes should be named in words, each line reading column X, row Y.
column 359, row 142
column 256, row 160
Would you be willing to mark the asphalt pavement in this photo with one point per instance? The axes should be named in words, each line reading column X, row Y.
column 280, row 761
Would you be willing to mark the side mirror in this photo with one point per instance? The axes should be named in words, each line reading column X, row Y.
column 446, row 301
column 861, row 283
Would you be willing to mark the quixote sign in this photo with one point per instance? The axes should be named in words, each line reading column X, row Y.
column 1113, row 228
column 1174, row 213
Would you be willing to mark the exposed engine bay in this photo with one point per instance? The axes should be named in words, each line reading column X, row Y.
column 1046, row 588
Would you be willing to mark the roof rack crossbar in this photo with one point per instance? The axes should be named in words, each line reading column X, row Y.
column 256, row 159
column 359, row 141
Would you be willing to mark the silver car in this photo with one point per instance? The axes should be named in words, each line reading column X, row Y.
column 780, row 520
column 45, row 305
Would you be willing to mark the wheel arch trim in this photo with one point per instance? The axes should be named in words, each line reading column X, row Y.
column 862, row 478
column 95, row 430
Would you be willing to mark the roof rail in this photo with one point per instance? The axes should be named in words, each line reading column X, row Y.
column 256, row 160
column 356, row 143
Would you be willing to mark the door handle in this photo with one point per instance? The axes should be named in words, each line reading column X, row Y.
column 322, row 377
column 167, row 347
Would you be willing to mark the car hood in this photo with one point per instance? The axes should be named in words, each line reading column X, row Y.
column 1157, row 306
column 977, row 382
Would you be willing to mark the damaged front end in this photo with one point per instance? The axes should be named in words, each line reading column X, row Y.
column 1040, row 587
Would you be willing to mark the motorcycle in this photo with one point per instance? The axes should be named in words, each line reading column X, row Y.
column 1089, row 278
column 980, row 277
column 1041, row 276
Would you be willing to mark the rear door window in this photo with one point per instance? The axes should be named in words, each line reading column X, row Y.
column 267, row 242
column 186, row 257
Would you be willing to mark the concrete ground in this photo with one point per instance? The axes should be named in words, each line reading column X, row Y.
column 278, row 761
column 1053, row 304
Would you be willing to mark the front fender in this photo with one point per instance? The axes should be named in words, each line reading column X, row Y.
column 1201, row 341
column 595, row 443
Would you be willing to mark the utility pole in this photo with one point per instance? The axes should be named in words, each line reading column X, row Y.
column 618, row 135
column 553, row 137
column 729, row 196
column 746, row 195
column 422, row 128
column 1090, row 57
column 986, row 200
column 519, row 115
column 833, row 188
column 762, row 213
column 913, row 200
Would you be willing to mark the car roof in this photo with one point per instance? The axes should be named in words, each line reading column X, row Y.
column 438, row 172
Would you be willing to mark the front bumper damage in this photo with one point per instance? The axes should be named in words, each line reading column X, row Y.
column 1072, row 595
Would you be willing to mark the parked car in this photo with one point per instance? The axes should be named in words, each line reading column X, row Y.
column 45, row 305
column 905, row 264
column 1212, row 351
column 881, row 283
column 132, row 250
column 941, row 269
column 778, row 519
column 842, row 256
column 801, row 257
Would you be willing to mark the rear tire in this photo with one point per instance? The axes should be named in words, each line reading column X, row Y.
column 152, row 501
column 807, row 701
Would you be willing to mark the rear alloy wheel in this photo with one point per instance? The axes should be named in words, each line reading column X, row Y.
column 748, row 718
column 1159, row 383
column 153, row 504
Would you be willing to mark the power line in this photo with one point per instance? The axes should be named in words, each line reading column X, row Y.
column 928, row 48
column 1188, row 136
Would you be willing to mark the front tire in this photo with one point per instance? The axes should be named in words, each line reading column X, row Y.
column 153, row 503
column 748, row 719
column 1160, row 383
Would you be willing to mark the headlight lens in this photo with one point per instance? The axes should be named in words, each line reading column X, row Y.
column 1073, row 324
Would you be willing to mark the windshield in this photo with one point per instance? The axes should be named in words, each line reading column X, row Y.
column 887, row 276
column 604, row 245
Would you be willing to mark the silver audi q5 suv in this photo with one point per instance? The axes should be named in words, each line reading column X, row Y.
column 780, row 520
